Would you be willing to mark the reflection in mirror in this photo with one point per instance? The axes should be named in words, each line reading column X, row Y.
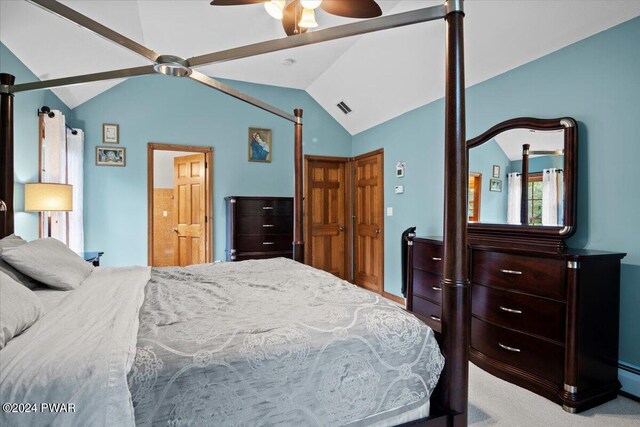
column 475, row 196
column 527, row 184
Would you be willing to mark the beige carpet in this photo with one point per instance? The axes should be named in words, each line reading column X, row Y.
column 493, row 402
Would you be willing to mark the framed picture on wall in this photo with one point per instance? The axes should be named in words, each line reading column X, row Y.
column 110, row 133
column 495, row 185
column 260, row 145
column 496, row 171
column 110, row 156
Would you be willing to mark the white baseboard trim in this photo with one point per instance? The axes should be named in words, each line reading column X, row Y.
column 629, row 377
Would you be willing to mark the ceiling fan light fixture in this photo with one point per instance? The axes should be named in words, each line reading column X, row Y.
column 170, row 65
column 275, row 8
column 310, row 4
column 308, row 19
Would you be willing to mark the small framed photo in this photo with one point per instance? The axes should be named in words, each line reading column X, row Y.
column 110, row 156
column 496, row 171
column 260, row 145
column 495, row 185
column 110, row 133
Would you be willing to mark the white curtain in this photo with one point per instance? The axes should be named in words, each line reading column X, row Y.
column 75, row 162
column 54, row 168
column 552, row 187
column 515, row 192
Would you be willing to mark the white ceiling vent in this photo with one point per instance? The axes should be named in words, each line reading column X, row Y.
column 344, row 107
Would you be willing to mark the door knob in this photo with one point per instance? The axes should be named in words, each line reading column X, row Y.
column 175, row 230
column 377, row 231
column 341, row 228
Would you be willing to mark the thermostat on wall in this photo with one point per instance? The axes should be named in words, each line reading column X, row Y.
column 400, row 169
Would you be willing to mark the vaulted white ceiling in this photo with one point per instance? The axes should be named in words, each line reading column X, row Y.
column 380, row 75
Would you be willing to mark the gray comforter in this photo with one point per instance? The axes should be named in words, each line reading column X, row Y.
column 275, row 342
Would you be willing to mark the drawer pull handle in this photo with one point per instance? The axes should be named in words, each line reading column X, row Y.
column 436, row 318
column 268, row 225
column 267, row 243
column 436, row 288
column 510, row 310
column 435, row 258
column 267, row 208
column 517, row 273
column 506, row 347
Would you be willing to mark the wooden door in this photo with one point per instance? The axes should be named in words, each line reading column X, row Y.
column 368, row 240
column 326, row 215
column 189, row 203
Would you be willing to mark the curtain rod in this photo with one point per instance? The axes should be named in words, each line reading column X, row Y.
column 46, row 110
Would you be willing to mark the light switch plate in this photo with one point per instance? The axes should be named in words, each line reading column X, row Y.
column 389, row 211
column 399, row 189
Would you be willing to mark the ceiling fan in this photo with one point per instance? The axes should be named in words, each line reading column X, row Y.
column 299, row 15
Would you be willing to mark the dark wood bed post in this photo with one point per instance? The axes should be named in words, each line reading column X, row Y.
column 524, row 178
column 456, row 301
column 298, row 242
column 6, row 153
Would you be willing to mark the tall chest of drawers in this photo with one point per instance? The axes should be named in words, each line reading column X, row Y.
column 259, row 227
column 545, row 321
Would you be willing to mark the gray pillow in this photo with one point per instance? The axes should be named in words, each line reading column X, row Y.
column 19, row 309
column 13, row 241
column 50, row 261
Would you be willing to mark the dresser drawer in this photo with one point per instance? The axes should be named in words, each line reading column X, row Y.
column 427, row 285
column 264, row 207
column 429, row 312
column 278, row 254
column 539, row 276
column 537, row 356
column 264, row 225
column 263, row 243
column 428, row 257
column 534, row 315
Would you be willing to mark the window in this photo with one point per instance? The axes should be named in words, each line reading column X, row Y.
column 534, row 198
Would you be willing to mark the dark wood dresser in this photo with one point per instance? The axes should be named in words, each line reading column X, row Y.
column 259, row 227
column 545, row 321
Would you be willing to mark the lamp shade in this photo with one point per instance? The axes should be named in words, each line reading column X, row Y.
column 44, row 196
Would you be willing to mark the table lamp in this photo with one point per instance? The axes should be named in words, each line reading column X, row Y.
column 48, row 197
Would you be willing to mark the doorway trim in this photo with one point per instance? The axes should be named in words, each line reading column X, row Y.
column 208, row 158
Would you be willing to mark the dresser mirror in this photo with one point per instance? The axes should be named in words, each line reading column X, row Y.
column 524, row 179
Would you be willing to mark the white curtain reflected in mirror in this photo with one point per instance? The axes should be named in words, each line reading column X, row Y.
column 514, row 192
column 552, row 196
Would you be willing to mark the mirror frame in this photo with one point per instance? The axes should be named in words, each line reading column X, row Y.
column 542, row 237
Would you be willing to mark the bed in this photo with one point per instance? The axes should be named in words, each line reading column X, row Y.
column 148, row 336
column 264, row 342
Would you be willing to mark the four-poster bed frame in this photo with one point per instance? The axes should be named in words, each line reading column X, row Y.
column 449, row 403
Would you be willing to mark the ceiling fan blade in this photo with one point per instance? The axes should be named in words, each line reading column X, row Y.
column 85, row 78
column 352, row 8
column 234, row 2
column 292, row 14
column 219, row 86
column 313, row 37
column 63, row 11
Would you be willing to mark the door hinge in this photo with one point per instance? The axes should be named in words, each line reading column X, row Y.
column 206, row 219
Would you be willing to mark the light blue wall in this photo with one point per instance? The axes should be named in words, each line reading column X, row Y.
column 167, row 110
column 596, row 81
column 26, row 139
column 493, row 204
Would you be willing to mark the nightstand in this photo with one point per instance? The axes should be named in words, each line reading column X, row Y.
column 92, row 257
